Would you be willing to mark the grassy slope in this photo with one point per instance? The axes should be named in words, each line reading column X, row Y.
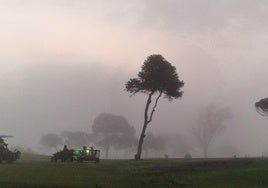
column 39, row 172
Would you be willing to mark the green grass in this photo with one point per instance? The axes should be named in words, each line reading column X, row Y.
column 37, row 171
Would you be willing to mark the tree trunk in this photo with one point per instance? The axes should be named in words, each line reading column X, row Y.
column 138, row 155
column 145, row 123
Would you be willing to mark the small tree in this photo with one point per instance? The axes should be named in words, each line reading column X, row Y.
column 210, row 123
column 114, row 131
column 157, row 76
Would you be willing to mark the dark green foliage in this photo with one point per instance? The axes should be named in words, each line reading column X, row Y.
column 157, row 74
column 262, row 106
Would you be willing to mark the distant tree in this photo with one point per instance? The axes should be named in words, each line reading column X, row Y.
column 157, row 76
column 114, row 131
column 50, row 140
column 152, row 142
column 210, row 123
column 77, row 139
column 262, row 107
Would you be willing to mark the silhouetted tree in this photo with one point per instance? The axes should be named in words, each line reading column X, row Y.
column 157, row 76
column 210, row 123
column 77, row 139
column 262, row 107
column 50, row 140
column 114, row 131
column 152, row 142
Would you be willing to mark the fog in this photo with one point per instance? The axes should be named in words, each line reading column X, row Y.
column 64, row 62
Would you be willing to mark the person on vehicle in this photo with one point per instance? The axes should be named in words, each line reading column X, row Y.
column 84, row 151
column 3, row 145
column 92, row 150
column 65, row 148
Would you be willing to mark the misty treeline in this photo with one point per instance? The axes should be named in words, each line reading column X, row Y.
column 110, row 131
column 157, row 78
column 107, row 131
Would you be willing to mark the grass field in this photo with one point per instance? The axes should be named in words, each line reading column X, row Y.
column 37, row 171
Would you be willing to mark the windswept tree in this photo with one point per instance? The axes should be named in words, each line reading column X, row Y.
column 210, row 123
column 50, row 140
column 114, row 131
column 157, row 77
column 262, row 107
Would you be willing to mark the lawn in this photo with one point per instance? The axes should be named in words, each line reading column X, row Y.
column 215, row 173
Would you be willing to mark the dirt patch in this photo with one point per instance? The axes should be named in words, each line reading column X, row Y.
column 199, row 166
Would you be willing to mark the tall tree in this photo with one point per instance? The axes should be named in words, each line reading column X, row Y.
column 113, row 131
column 210, row 123
column 157, row 76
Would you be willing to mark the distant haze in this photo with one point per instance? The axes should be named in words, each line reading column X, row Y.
column 64, row 62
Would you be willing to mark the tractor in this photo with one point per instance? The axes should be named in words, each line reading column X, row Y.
column 9, row 156
column 5, row 154
column 76, row 155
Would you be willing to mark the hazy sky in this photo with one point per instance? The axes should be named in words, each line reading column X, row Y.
column 62, row 62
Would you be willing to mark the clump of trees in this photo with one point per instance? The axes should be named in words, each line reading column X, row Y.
column 210, row 123
column 157, row 77
column 108, row 130
column 113, row 131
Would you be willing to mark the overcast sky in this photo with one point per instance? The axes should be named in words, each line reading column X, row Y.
column 62, row 62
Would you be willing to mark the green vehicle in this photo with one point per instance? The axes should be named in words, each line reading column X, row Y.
column 63, row 156
column 9, row 156
column 76, row 155
column 5, row 154
column 86, row 155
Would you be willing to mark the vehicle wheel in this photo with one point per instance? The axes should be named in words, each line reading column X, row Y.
column 97, row 160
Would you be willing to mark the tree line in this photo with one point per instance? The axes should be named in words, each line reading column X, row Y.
column 157, row 79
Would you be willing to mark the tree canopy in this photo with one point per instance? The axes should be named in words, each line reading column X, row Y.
column 262, row 107
column 156, row 74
